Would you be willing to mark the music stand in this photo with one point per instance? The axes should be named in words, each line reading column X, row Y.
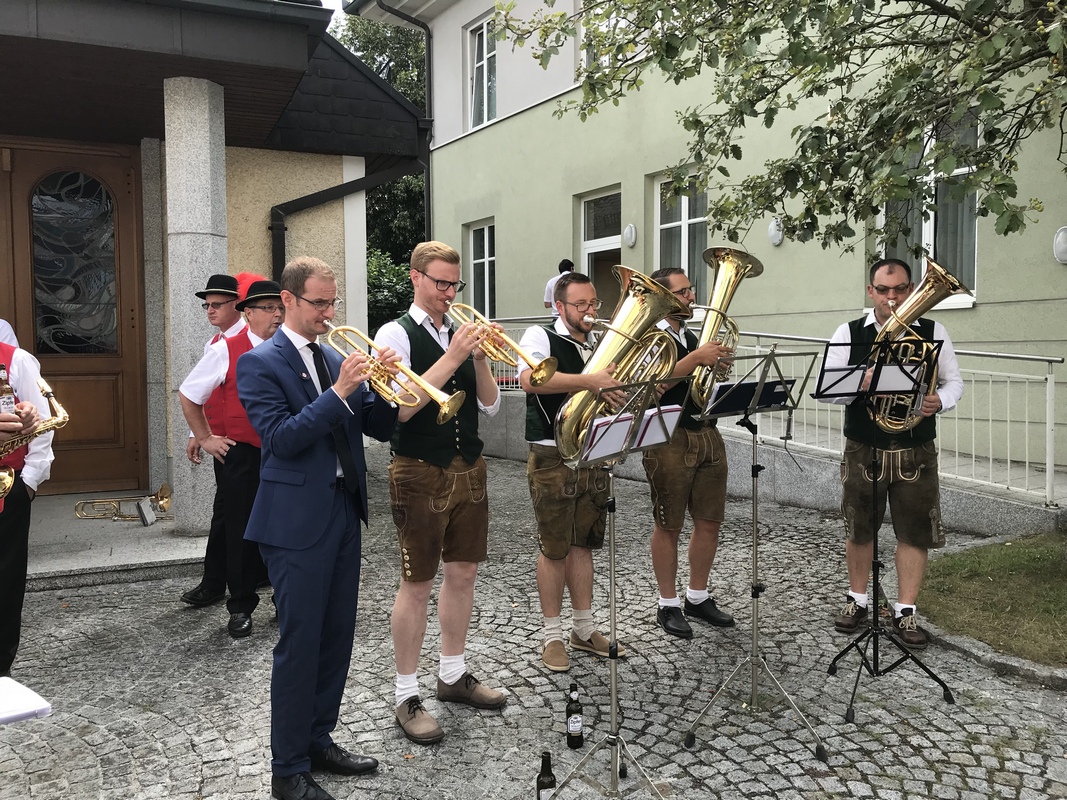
column 891, row 376
column 606, row 442
column 748, row 398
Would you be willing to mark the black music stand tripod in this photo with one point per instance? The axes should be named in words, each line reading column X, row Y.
column 756, row 397
column 891, row 376
column 606, row 442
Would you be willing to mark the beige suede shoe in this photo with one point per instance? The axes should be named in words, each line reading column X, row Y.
column 417, row 723
column 597, row 644
column 555, row 656
column 471, row 692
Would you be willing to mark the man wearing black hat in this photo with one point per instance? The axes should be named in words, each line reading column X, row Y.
column 237, row 451
column 220, row 298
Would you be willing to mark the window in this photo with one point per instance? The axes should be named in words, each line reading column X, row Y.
column 483, row 269
column 948, row 233
column 683, row 235
column 602, row 243
column 483, row 73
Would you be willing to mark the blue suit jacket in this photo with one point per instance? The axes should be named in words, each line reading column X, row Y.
column 294, row 422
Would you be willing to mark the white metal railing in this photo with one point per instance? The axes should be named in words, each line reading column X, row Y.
column 1003, row 432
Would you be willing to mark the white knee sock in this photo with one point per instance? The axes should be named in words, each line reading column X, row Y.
column 452, row 668
column 553, row 630
column 861, row 599
column 670, row 602
column 898, row 609
column 583, row 623
column 407, row 686
column 696, row 596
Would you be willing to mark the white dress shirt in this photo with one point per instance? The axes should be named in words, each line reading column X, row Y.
column 536, row 344
column 210, row 372
column 23, row 373
column 949, row 387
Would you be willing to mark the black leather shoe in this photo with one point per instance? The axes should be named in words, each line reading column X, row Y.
column 201, row 596
column 240, row 625
column 339, row 761
column 709, row 612
column 672, row 621
column 298, row 787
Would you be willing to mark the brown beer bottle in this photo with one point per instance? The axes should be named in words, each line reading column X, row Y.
column 7, row 394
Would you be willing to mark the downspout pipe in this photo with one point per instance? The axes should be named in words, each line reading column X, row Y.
column 418, row 23
column 279, row 212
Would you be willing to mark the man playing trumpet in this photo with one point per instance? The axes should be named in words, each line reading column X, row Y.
column 437, row 485
column 688, row 473
column 570, row 504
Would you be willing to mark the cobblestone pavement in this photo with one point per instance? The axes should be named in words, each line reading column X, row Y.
column 154, row 700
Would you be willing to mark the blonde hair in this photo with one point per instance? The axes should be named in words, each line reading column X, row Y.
column 425, row 252
column 297, row 271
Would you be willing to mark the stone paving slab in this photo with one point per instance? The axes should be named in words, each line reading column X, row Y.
column 154, row 700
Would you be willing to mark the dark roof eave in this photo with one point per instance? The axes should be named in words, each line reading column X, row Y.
column 315, row 18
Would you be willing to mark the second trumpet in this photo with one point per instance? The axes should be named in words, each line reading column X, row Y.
column 497, row 346
column 382, row 380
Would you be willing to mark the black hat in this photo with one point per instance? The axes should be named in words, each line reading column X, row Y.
column 259, row 290
column 220, row 284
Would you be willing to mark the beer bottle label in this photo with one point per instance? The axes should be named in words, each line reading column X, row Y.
column 574, row 724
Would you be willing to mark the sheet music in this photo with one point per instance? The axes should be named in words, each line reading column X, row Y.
column 657, row 427
column 17, row 702
column 607, row 437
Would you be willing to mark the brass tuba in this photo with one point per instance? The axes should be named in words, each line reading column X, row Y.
column 895, row 413
column 57, row 420
column 731, row 267
column 639, row 350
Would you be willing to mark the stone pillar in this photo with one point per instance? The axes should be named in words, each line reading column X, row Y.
column 195, row 238
column 159, row 434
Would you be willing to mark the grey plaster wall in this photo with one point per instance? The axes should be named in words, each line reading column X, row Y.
column 159, row 467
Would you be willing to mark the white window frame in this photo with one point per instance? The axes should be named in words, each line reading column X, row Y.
column 702, row 282
column 482, row 30
column 484, row 269
column 928, row 239
column 591, row 246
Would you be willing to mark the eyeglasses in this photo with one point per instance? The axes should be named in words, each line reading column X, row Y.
column 217, row 305
column 688, row 290
column 585, row 305
column 443, row 286
column 322, row 305
column 884, row 290
column 270, row 309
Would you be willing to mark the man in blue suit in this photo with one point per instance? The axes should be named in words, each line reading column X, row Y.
column 310, row 409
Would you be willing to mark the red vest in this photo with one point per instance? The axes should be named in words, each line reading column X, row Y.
column 17, row 459
column 235, row 419
column 213, row 408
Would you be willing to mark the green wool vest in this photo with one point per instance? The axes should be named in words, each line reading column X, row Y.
column 858, row 423
column 541, row 409
column 679, row 393
column 421, row 436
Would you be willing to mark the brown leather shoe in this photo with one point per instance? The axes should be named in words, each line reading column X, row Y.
column 597, row 644
column 555, row 656
column 851, row 617
column 417, row 723
column 471, row 692
column 909, row 633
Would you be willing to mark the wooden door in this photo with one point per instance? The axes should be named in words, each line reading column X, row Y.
column 73, row 260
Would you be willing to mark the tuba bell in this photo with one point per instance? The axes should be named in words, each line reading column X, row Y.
column 731, row 267
column 639, row 350
column 896, row 413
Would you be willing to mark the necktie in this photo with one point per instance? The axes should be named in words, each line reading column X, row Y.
column 340, row 438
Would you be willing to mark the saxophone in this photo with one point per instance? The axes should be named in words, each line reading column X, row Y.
column 57, row 420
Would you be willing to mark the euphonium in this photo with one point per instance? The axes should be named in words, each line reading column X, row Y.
column 381, row 379
column 895, row 413
column 498, row 346
column 57, row 420
column 639, row 350
column 731, row 267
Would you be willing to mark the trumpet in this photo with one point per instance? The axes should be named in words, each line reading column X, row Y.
column 497, row 346
column 382, row 380
column 111, row 507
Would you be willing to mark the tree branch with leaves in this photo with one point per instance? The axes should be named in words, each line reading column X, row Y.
column 905, row 92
